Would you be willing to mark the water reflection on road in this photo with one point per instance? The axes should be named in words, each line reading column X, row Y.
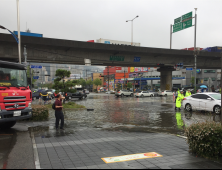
column 130, row 114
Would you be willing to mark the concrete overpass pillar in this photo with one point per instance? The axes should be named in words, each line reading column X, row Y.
column 166, row 77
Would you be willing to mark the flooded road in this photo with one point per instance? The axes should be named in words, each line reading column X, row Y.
column 151, row 114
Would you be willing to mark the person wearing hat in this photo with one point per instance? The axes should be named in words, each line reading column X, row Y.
column 44, row 95
column 188, row 93
column 179, row 100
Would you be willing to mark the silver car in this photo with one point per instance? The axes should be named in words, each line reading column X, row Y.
column 123, row 93
column 144, row 94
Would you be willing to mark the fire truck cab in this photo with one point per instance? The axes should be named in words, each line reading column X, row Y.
column 15, row 94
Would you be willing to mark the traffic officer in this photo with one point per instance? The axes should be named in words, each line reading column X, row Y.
column 179, row 100
column 188, row 93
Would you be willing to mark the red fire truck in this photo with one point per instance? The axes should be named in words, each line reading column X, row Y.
column 15, row 95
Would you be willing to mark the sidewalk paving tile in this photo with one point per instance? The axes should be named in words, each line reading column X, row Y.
column 85, row 148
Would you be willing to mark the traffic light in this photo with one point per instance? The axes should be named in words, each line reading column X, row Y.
column 101, row 75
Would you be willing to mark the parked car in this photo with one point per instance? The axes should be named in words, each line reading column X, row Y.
column 78, row 95
column 123, row 93
column 86, row 91
column 144, row 94
column 165, row 93
column 35, row 95
column 154, row 92
column 203, row 101
column 110, row 92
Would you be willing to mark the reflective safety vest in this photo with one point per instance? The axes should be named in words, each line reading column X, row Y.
column 179, row 100
column 188, row 94
column 220, row 90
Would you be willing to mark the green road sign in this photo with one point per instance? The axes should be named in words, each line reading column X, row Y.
column 177, row 20
column 187, row 24
column 177, row 27
column 186, row 16
column 116, row 58
column 182, row 22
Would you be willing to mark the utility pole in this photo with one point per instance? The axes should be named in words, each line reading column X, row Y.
column 108, row 78
column 220, row 86
column 124, row 77
column 195, row 52
column 171, row 36
column 19, row 37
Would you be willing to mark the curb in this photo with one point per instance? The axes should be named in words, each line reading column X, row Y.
column 35, row 151
column 184, row 137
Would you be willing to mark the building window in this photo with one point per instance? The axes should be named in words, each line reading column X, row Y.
column 209, row 71
column 213, row 79
column 205, row 79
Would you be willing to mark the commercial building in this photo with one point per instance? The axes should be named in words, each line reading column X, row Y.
column 116, row 42
column 203, row 76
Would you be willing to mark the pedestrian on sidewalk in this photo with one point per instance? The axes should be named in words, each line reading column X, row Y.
column 58, row 112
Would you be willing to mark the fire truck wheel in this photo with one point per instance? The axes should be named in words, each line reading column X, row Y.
column 7, row 125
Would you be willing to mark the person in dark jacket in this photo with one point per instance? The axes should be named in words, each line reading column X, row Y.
column 58, row 112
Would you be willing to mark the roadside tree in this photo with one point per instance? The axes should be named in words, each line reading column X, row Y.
column 129, row 85
column 89, row 83
column 97, row 82
column 59, row 83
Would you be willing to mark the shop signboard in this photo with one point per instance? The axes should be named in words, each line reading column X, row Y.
column 121, row 69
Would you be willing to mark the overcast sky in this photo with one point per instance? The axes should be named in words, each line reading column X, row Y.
column 84, row 20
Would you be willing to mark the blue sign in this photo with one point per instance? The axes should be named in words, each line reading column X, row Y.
column 107, row 42
column 189, row 69
column 33, row 66
column 35, row 77
column 136, row 59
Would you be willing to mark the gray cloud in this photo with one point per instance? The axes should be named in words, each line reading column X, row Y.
column 84, row 20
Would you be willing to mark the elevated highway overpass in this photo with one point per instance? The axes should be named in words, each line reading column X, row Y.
column 49, row 50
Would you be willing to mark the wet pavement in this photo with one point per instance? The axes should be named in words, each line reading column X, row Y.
column 155, row 114
column 119, row 126
column 16, row 149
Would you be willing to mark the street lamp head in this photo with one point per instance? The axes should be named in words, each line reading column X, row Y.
column 137, row 16
column 2, row 27
column 126, row 21
column 195, row 9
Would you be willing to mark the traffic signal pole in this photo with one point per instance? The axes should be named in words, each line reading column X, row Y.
column 108, row 78
column 195, row 52
column 171, row 35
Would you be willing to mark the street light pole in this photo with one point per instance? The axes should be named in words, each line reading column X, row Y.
column 19, row 37
column 195, row 52
column 132, row 28
column 171, row 35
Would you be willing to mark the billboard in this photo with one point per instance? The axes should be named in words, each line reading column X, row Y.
column 142, row 69
column 121, row 69
column 138, row 69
